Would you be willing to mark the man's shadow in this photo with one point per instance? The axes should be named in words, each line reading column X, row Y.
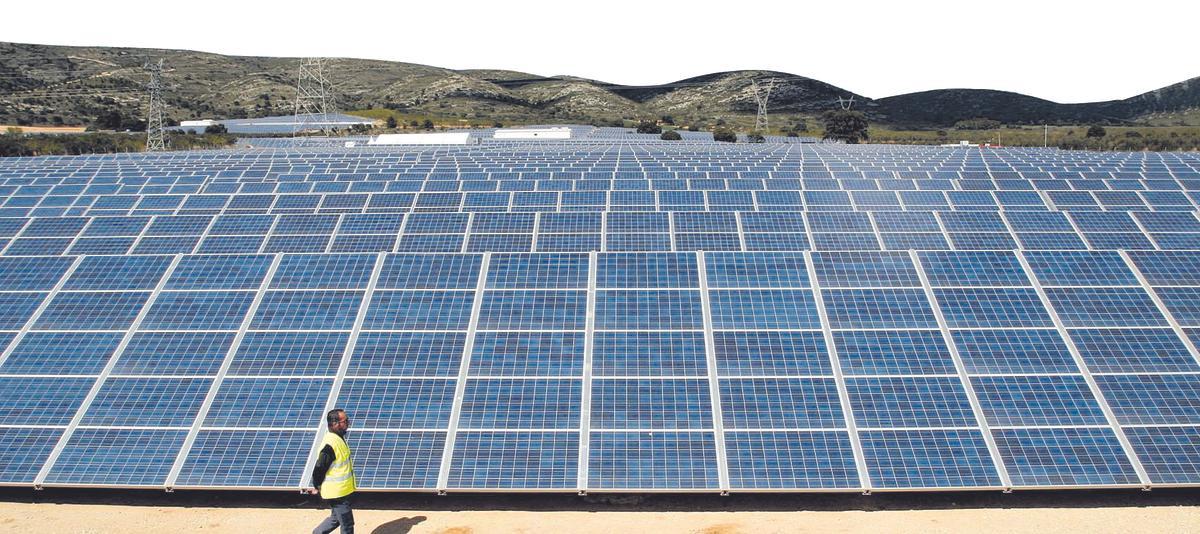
column 399, row 526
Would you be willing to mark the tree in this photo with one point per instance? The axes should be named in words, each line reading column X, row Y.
column 670, row 135
column 724, row 136
column 391, row 122
column 1096, row 131
column 647, row 127
column 977, row 124
column 847, row 126
column 217, row 128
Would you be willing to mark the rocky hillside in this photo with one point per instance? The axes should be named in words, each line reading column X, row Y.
column 99, row 85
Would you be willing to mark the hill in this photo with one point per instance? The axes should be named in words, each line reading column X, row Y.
column 41, row 84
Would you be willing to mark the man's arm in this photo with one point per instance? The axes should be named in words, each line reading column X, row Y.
column 324, row 460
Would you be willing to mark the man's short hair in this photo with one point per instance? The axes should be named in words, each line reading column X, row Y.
column 332, row 416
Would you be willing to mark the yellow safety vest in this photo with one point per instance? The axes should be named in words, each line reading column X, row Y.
column 339, row 480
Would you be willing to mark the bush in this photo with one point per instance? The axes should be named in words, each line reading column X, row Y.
column 216, row 129
column 1096, row 131
column 1133, row 134
column 724, row 136
column 391, row 122
column 755, row 138
column 793, row 134
column 670, row 135
column 428, row 124
column 647, row 127
column 977, row 124
column 847, row 126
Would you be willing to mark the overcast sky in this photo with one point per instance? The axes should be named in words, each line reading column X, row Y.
column 1063, row 51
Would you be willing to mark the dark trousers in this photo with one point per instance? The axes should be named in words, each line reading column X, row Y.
column 341, row 515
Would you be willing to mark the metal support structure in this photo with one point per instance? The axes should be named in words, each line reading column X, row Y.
column 156, row 137
column 219, row 379
column 1101, row 400
column 343, row 366
column 314, row 95
column 761, row 95
column 860, row 462
column 589, row 343
column 460, row 387
column 104, row 373
column 714, row 385
column 963, row 376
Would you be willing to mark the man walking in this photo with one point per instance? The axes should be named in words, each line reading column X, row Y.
column 334, row 475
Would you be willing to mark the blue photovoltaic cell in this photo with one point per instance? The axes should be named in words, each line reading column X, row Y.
column 289, row 353
column 528, row 354
column 1153, row 399
column 1168, row 268
column 766, row 308
column 67, row 353
column 1013, row 351
column 41, row 401
column 147, row 402
column 247, row 458
column 664, row 270
column 754, row 403
column 652, row 460
column 865, row 269
column 648, row 354
column 1133, row 350
column 419, row 310
column 893, row 352
column 1064, row 457
column 771, row 353
column 538, row 271
column 1170, row 455
column 928, row 459
column 1037, row 401
column 323, row 271
column 407, row 354
column 909, row 402
column 397, row 403
column 31, row 274
column 651, row 404
column 1105, row 306
column 532, row 404
column 1080, row 268
column 397, row 460
column 991, row 307
column 174, row 353
column 878, row 308
column 790, row 460
column 660, row 310
column 91, row 311
column 515, row 460
column 118, row 272
column 958, row 268
column 27, row 449
column 430, row 271
column 198, row 310
column 533, row 310
column 130, row 457
column 17, row 308
column 1183, row 303
column 263, row 402
column 761, row 270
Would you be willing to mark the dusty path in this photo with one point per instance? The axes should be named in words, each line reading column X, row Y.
column 1124, row 513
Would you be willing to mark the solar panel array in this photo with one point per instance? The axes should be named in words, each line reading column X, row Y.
column 603, row 315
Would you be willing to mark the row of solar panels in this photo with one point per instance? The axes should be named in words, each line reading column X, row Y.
column 830, row 201
column 613, row 231
column 716, row 371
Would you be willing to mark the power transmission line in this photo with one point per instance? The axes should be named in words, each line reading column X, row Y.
column 761, row 94
column 314, row 100
column 156, row 138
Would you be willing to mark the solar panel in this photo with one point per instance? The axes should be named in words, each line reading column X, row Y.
column 607, row 313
